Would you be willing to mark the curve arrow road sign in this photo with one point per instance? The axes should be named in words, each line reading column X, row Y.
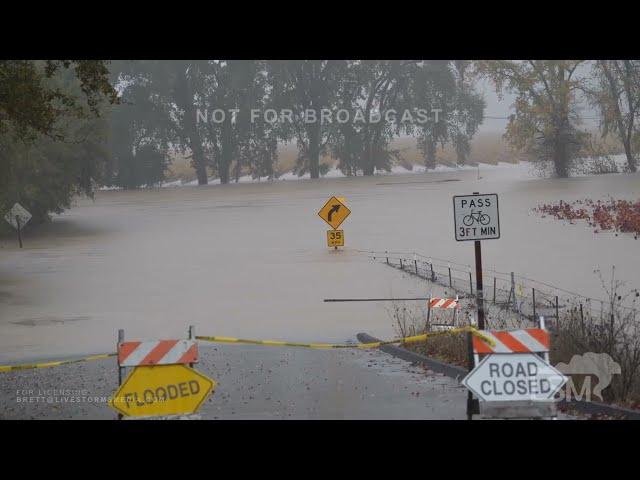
column 334, row 212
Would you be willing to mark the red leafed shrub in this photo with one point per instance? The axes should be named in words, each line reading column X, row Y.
column 616, row 215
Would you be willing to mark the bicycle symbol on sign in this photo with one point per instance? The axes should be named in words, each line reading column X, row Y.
column 476, row 216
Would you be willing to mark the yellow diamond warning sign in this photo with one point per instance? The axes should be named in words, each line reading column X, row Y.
column 334, row 212
column 161, row 390
column 335, row 238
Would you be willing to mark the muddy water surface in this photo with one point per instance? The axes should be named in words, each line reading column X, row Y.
column 251, row 260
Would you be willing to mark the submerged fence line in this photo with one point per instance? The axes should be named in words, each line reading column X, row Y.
column 526, row 297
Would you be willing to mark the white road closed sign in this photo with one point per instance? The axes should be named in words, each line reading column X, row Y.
column 476, row 217
column 514, row 377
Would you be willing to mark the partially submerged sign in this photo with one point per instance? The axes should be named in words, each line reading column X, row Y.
column 335, row 238
column 476, row 217
column 514, row 377
column 334, row 212
column 161, row 390
column 18, row 214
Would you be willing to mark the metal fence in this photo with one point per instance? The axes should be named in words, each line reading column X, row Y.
column 523, row 298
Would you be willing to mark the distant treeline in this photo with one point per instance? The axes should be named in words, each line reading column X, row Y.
column 229, row 116
column 67, row 126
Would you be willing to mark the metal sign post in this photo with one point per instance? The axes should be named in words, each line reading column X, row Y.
column 121, row 370
column 479, row 297
column 192, row 336
column 476, row 218
column 473, row 406
column 19, row 231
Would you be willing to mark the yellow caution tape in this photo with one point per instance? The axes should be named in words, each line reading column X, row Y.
column 55, row 363
column 271, row 343
column 412, row 339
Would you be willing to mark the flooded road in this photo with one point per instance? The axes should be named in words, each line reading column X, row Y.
column 251, row 260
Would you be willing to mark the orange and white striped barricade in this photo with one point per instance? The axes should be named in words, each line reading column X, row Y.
column 512, row 377
column 445, row 304
column 162, row 382
column 157, row 352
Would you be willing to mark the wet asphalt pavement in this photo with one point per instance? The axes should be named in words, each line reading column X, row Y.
column 254, row 382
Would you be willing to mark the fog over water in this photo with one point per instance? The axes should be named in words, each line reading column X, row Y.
column 251, row 260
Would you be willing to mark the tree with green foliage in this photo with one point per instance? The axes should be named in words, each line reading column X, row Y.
column 434, row 86
column 307, row 88
column 186, row 83
column 140, row 130
column 200, row 108
column 52, row 134
column 177, row 89
column 374, row 96
column 234, row 89
column 346, row 142
column 386, row 88
column 545, row 122
column 32, row 102
column 468, row 110
column 445, row 89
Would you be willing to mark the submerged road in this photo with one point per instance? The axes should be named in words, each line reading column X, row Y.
column 251, row 261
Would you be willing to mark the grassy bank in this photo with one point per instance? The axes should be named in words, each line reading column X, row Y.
column 485, row 148
column 613, row 330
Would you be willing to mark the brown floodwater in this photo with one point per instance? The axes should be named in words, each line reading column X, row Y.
column 251, row 260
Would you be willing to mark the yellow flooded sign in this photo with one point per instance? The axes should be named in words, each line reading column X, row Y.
column 334, row 212
column 335, row 238
column 161, row 390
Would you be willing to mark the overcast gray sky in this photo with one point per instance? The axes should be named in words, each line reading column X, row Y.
column 495, row 108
